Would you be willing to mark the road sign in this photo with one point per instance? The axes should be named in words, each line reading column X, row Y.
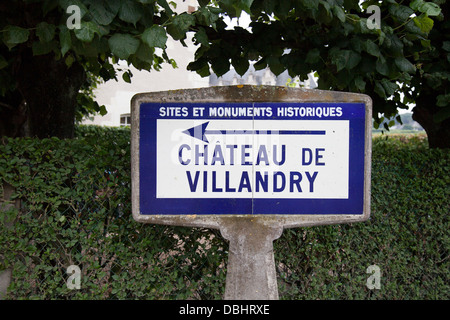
column 247, row 158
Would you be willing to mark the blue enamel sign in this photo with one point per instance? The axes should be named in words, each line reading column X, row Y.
column 249, row 158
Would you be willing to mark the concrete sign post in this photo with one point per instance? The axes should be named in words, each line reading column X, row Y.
column 250, row 161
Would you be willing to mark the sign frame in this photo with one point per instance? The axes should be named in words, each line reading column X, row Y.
column 246, row 94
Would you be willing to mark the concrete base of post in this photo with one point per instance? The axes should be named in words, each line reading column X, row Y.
column 5, row 280
column 251, row 269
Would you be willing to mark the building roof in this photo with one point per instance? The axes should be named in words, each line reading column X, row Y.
column 257, row 77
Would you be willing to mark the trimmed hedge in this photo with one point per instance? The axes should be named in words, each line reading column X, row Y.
column 75, row 210
column 407, row 235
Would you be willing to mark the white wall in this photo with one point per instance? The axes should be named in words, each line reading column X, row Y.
column 116, row 95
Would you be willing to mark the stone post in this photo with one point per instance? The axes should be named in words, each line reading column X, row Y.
column 251, row 271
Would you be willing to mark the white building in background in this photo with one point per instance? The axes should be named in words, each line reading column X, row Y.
column 116, row 95
column 260, row 77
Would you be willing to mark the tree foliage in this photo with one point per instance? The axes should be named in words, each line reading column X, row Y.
column 333, row 38
column 429, row 87
column 37, row 42
column 405, row 60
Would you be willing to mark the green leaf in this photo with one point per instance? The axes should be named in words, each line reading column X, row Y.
column 202, row 38
column 430, row 9
column 14, row 35
column 425, row 43
column 206, row 16
column 275, row 65
column 234, row 8
column 240, row 64
column 415, row 5
column 145, row 53
column 382, row 67
column 339, row 13
column 200, row 66
column 40, row 48
column 424, row 23
column 104, row 12
column 126, row 77
column 404, row 65
column 261, row 64
column 313, row 56
column 87, row 31
column 155, row 36
column 175, row 32
column 65, row 40
column 220, row 65
column 345, row 59
column 434, row 80
column 103, row 110
column 180, row 25
column 389, row 87
column 360, row 83
column 394, row 44
column 311, row 4
column 173, row 63
column 184, row 21
column 130, row 11
column 165, row 5
column 400, row 11
column 203, row 3
column 45, row 31
column 372, row 48
column 123, row 45
column 380, row 90
column 69, row 61
column 244, row 5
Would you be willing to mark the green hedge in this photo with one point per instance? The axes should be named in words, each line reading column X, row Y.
column 75, row 210
column 407, row 235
